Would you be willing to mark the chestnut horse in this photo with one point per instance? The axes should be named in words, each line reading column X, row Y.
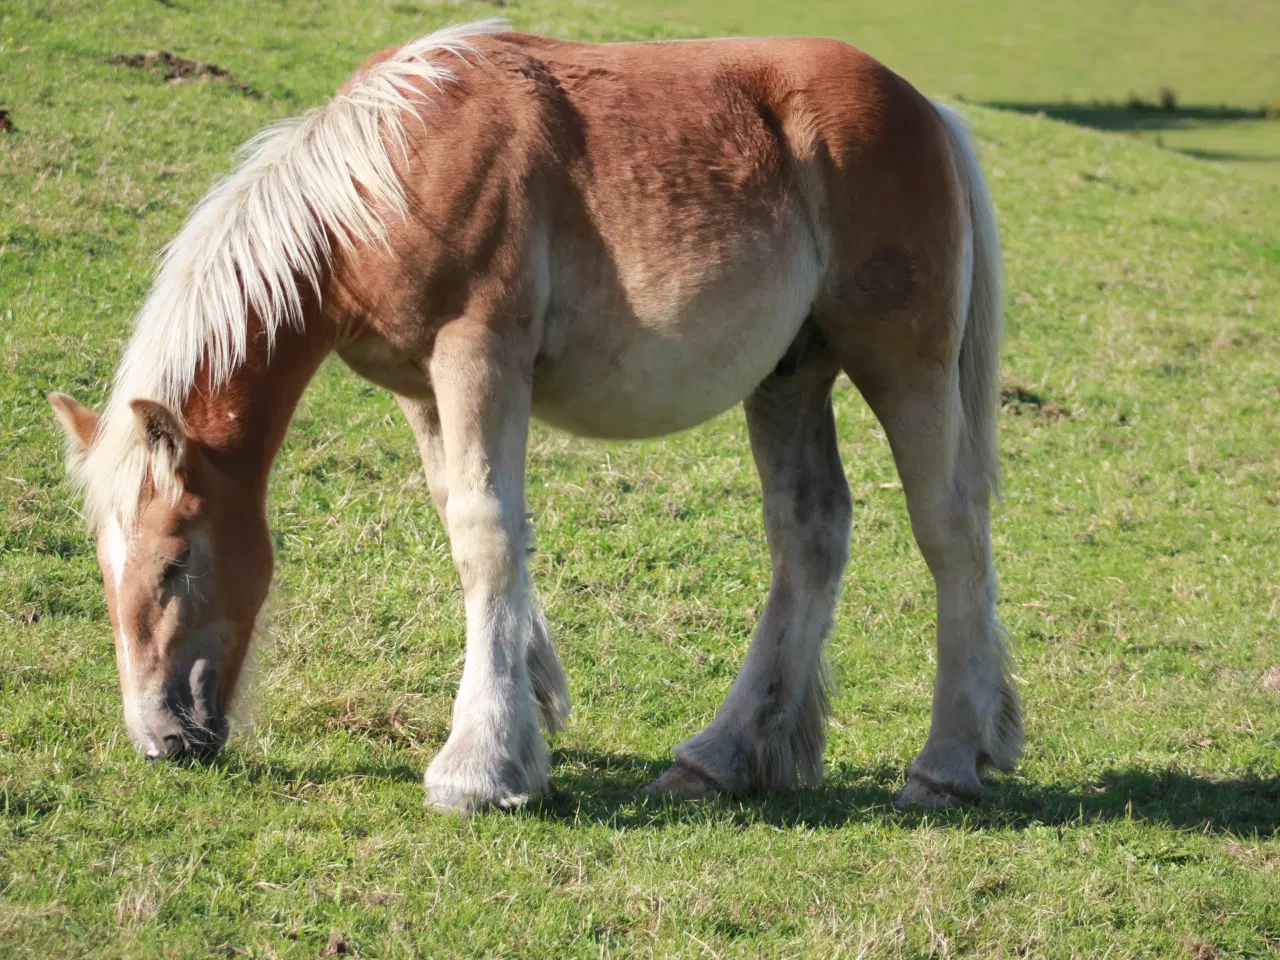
column 622, row 240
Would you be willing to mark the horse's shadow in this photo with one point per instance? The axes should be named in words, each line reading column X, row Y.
column 593, row 787
column 607, row 788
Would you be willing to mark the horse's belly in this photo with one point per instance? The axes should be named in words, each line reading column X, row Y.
column 632, row 379
column 661, row 315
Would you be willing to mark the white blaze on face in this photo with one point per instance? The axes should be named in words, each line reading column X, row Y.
column 117, row 551
column 115, row 558
column 117, row 555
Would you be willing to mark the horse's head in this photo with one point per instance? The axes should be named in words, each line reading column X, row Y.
column 186, row 575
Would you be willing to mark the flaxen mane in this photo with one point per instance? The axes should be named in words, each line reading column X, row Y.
column 327, row 172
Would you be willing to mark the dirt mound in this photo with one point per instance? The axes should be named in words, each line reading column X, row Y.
column 174, row 69
column 1019, row 401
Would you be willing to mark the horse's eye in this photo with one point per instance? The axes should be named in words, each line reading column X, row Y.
column 175, row 566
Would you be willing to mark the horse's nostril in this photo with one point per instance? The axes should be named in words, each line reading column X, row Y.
column 170, row 745
column 168, row 740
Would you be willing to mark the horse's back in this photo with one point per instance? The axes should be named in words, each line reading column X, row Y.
column 669, row 213
column 707, row 151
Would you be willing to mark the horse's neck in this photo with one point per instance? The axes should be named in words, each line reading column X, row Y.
column 243, row 422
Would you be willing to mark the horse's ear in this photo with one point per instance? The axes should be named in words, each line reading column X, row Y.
column 80, row 424
column 160, row 430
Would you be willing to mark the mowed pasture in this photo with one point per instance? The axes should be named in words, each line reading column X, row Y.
column 1136, row 541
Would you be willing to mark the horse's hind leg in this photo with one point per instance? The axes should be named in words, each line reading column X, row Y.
column 976, row 716
column 550, row 689
column 770, row 731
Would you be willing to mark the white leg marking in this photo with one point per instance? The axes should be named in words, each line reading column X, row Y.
column 495, row 755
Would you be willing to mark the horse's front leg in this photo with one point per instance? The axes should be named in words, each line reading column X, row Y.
column 550, row 688
column 495, row 755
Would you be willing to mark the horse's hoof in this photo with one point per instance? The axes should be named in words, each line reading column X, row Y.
column 921, row 791
column 467, row 803
column 683, row 783
column 468, row 787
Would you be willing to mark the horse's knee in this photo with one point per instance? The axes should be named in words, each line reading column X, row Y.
column 485, row 551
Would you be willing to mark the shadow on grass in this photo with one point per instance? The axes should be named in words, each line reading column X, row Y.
column 1142, row 117
column 1230, row 156
column 316, row 774
column 604, row 788
column 601, row 788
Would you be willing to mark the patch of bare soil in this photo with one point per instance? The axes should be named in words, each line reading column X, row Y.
column 174, row 69
column 386, row 724
column 337, row 947
column 6, row 123
column 1202, row 951
column 1023, row 401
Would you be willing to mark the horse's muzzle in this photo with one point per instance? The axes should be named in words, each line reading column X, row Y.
column 198, row 741
column 186, row 719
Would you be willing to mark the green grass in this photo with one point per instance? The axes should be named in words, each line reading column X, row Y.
column 1081, row 61
column 1137, row 543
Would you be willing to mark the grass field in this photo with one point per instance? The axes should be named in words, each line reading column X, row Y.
column 1137, row 543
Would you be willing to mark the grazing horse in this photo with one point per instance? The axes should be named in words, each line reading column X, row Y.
column 622, row 240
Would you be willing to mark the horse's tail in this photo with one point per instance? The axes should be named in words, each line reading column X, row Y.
column 980, row 348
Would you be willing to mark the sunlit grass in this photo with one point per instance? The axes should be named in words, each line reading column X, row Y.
column 1137, row 544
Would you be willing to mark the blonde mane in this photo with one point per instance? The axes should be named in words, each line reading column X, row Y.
column 326, row 172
